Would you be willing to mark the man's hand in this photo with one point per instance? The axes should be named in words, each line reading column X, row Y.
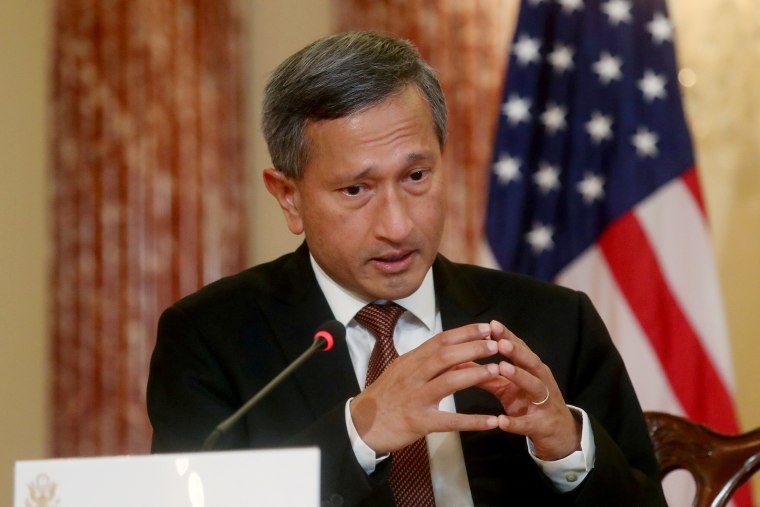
column 402, row 404
column 532, row 400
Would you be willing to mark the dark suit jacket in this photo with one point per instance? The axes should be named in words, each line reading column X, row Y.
column 220, row 345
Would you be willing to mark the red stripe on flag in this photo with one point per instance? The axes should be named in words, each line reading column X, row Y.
column 691, row 179
column 743, row 496
column 688, row 367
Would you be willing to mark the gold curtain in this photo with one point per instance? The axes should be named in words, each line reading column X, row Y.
column 147, row 172
column 466, row 42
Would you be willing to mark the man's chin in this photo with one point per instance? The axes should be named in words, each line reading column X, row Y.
column 394, row 288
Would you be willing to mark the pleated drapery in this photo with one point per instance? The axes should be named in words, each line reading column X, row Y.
column 147, row 196
column 466, row 42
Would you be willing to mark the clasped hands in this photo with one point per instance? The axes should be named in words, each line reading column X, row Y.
column 402, row 404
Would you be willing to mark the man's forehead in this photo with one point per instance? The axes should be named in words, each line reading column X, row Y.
column 408, row 106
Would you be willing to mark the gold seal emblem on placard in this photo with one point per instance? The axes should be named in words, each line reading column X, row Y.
column 42, row 492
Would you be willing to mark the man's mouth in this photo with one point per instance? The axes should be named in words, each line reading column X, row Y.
column 394, row 262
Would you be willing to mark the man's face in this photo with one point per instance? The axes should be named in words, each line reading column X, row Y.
column 371, row 201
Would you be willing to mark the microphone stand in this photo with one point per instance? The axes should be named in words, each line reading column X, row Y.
column 318, row 344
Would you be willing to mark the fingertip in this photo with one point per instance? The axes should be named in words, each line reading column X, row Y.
column 484, row 330
column 505, row 346
column 506, row 369
column 492, row 422
column 503, row 422
column 492, row 369
column 497, row 327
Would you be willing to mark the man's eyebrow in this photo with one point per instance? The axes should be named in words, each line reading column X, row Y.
column 417, row 156
column 362, row 174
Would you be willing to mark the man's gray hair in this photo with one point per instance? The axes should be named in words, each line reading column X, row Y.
column 335, row 77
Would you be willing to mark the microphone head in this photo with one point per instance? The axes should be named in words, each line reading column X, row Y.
column 331, row 331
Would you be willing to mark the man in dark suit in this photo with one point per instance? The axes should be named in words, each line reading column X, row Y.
column 511, row 387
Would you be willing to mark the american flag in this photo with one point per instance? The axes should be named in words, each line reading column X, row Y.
column 594, row 186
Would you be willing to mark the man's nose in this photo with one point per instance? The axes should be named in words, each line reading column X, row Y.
column 392, row 218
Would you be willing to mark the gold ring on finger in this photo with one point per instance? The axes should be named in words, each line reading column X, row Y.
column 546, row 398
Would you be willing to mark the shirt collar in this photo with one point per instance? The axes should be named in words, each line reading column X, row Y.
column 345, row 304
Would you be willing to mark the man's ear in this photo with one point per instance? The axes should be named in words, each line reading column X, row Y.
column 285, row 191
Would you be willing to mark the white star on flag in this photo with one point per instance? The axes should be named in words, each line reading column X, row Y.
column 516, row 109
column 540, row 238
column 652, row 85
column 507, row 169
column 554, row 118
column 526, row 49
column 645, row 142
column 591, row 187
column 599, row 127
column 561, row 59
column 619, row 11
column 660, row 28
column 608, row 68
column 546, row 178
column 570, row 6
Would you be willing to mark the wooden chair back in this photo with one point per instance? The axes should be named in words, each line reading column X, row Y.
column 719, row 463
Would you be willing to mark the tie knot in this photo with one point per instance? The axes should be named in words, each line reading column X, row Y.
column 380, row 319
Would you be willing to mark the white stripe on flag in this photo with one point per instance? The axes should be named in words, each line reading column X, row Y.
column 589, row 273
column 679, row 237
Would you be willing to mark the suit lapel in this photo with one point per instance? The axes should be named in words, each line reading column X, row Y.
column 461, row 303
column 296, row 311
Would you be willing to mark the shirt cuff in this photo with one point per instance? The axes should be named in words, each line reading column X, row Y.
column 366, row 457
column 567, row 473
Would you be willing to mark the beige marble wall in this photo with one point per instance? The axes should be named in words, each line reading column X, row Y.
column 24, row 241
column 719, row 42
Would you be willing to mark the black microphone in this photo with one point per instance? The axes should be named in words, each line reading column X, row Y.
column 324, row 339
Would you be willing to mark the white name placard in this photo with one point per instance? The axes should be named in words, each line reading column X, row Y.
column 281, row 477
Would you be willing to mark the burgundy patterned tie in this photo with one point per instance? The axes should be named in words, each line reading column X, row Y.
column 410, row 470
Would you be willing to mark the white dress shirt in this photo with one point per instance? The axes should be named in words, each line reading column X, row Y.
column 421, row 322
